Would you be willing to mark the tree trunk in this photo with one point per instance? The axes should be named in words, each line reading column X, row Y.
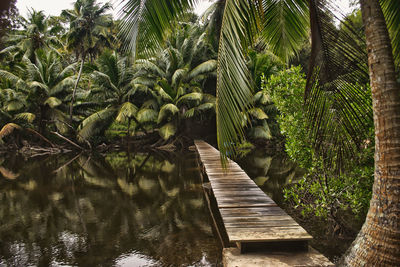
column 378, row 242
column 71, row 107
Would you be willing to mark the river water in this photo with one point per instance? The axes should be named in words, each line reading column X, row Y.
column 114, row 210
column 117, row 209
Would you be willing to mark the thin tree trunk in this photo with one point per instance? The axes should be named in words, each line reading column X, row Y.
column 129, row 125
column 378, row 242
column 71, row 107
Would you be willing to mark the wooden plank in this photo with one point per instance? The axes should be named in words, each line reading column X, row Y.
column 256, row 219
column 246, row 193
column 252, row 212
column 272, row 234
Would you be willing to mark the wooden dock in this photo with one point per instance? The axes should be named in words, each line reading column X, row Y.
column 251, row 219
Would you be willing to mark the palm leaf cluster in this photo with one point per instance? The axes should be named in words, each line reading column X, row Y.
column 146, row 22
column 38, row 91
column 338, row 100
column 37, row 33
column 175, row 81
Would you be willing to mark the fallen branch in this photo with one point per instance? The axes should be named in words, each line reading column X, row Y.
column 69, row 141
column 41, row 136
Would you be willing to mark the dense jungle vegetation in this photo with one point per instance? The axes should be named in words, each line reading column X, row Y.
column 84, row 80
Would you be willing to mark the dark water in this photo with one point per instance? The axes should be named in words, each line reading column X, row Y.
column 123, row 209
column 270, row 171
column 113, row 210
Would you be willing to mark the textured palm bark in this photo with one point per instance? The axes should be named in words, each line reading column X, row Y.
column 378, row 242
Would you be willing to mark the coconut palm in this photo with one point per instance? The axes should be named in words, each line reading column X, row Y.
column 41, row 88
column 37, row 33
column 89, row 32
column 178, row 77
column 378, row 242
column 111, row 87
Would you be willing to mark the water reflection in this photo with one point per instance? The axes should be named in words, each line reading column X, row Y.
column 117, row 210
column 270, row 172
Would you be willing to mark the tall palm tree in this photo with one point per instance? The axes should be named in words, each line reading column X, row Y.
column 36, row 34
column 89, row 32
column 283, row 28
column 378, row 242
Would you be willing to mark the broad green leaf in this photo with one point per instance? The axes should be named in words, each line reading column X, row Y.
column 258, row 113
column 167, row 111
column 126, row 111
column 53, row 102
column 147, row 115
column 167, row 131
column 26, row 116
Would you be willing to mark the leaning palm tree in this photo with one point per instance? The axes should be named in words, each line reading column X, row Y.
column 283, row 27
column 89, row 32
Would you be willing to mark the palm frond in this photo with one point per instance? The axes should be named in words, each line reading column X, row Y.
column 146, row 115
column 53, row 102
column 177, row 76
column 14, row 105
column 167, row 131
column 190, row 98
column 285, row 26
column 391, row 11
column 338, row 103
column 25, row 116
column 203, row 68
column 126, row 111
column 8, row 129
column 149, row 67
column 60, row 120
column 96, row 123
column 167, row 111
column 233, row 78
column 148, row 20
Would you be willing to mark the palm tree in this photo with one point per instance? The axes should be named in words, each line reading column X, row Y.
column 378, row 241
column 112, row 87
column 288, row 18
column 89, row 32
column 41, row 88
column 36, row 34
column 178, row 76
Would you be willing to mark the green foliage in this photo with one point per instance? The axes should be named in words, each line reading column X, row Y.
column 286, row 91
column 322, row 191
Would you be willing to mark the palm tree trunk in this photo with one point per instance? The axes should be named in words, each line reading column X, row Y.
column 378, row 242
column 129, row 125
column 71, row 107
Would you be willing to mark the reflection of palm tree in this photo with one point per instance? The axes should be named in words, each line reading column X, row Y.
column 271, row 173
column 163, row 211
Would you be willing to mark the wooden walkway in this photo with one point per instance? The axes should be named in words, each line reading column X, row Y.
column 248, row 214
